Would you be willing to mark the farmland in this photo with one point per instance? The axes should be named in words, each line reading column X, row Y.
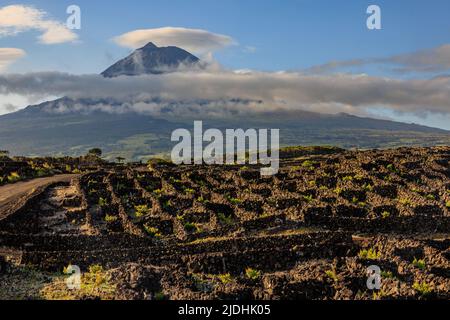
column 223, row 232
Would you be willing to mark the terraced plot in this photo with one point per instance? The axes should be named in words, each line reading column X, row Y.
column 223, row 232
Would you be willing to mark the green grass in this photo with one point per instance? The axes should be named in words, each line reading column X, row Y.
column 385, row 214
column 252, row 274
column 419, row 263
column 191, row 227
column 369, row 254
column 14, row 177
column 224, row 219
column 225, row 278
column 152, row 231
column 332, row 275
column 141, row 210
column 109, row 218
column 423, row 288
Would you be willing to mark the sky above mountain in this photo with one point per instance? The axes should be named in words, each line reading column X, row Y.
column 309, row 38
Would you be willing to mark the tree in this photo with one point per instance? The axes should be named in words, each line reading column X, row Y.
column 95, row 152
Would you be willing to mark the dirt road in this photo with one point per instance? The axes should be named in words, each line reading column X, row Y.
column 11, row 193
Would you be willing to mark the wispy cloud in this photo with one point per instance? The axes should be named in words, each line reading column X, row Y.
column 221, row 91
column 428, row 60
column 16, row 19
column 9, row 55
column 194, row 40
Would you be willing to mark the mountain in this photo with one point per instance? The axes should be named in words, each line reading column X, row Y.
column 44, row 130
column 151, row 59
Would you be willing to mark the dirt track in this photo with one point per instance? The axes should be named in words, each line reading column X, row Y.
column 10, row 194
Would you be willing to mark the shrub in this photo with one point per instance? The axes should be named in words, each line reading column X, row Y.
column 224, row 219
column 252, row 274
column 447, row 204
column 14, row 177
column 102, row 202
column 110, row 218
column 190, row 227
column 225, row 278
column 234, row 200
column 419, row 263
column 141, row 210
column 385, row 214
column 423, row 288
column 387, row 274
column 370, row 254
column 159, row 296
column 430, row 197
column 151, row 231
column 332, row 275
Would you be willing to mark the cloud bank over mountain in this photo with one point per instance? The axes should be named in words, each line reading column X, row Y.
column 244, row 92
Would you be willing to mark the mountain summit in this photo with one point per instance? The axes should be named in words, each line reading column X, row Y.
column 151, row 59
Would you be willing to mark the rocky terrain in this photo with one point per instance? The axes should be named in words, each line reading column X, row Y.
column 223, row 232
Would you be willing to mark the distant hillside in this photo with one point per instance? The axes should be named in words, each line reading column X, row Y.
column 41, row 130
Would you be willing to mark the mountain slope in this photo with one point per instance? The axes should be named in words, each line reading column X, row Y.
column 151, row 59
column 44, row 130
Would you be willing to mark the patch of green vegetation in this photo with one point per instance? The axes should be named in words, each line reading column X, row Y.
column 225, row 278
column 387, row 275
column 309, row 164
column 308, row 198
column 235, row 201
column 95, row 284
column 252, row 274
column 224, row 219
column 405, row 202
column 191, row 227
column 152, row 231
column 369, row 254
column 110, row 218
column 202, row 200
column 419, row 263
column 392, row 168
column 447, row 204
column 102, row 202
column 189, row 191
column 368, row 187
column 430, row 197
column 423, row 288
column 385, row 214
column 160, row 296
column 378, row 295
column 332, row 275
column 347, row 178
column 141, row 210
column 14, row 177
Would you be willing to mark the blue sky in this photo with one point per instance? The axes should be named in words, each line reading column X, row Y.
column 286, row 34
column 270, row 35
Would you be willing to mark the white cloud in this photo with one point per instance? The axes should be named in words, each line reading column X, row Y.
column 225, row 92
column 9, row 55
column 428, row 60
column 15, row 19
column 194, row 40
